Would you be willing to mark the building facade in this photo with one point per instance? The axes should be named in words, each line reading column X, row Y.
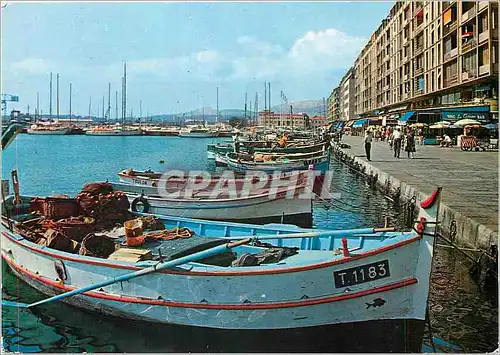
column 273, row 120
column 334, row 105
column 437, row 60
column 347, row 101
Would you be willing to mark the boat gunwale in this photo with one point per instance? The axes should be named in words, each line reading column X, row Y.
column 23, row 242
column 221, row 306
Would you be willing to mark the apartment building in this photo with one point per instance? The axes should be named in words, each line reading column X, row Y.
column 272, row 120
column 347, row 96
column 429, row 61
column 334, row 105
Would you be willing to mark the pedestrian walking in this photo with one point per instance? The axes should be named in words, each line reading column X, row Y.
column 410, row 144
column 420, row 136
column 396, row 136
column 368, row 143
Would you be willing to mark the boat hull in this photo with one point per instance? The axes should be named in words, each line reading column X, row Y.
column 384, row 336
column 55, row 132
column 259, row 210
column 197, row 134
column 319, row 164
column 115, row 133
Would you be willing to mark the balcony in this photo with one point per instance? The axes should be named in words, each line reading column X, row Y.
column 471, row 43
column 418, row 71
column 449, row 28
column 450, row 81
column 451, row 54
column 418, row 50
column 470, row 74
column 482, row 4
column 483, row 36
column 468, row 15
column 484, row 69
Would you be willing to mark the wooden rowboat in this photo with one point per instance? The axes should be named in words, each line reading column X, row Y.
column 264, row 147
column 367, row 288
column 239, row 162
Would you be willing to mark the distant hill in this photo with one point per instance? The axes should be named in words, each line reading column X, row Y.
column 311, row 107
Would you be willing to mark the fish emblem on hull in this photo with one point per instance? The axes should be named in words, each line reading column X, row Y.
column 377, row 302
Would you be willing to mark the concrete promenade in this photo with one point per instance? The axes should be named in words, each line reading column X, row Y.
column 469, row 181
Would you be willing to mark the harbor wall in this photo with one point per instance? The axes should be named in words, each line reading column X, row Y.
column 455, row 226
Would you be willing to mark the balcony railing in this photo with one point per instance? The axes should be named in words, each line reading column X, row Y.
column 450, row 81
column 483, row 36
column 451, row 54
column 482, row 4
column 449, row 27
column 468, row 15
column 418, row 50
column 419, row 70
column 484, row 69
column 469, row 44
column 469, row 74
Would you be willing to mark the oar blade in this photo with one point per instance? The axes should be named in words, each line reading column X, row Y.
column 7, row 303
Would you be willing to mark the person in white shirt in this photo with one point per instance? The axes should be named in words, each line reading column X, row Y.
column 396, row 136
column 368, row 143
column 446, row 142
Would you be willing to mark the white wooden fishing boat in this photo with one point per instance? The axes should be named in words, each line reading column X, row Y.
column 116, row 130
column 367, row 288
column 249, row 205
column 48, row 130
column 155, row 179
column 197, row 132
column 289, row 162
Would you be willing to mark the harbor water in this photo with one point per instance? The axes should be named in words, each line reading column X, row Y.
column 462, row 313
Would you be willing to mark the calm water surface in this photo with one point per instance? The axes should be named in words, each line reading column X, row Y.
column 461, row 312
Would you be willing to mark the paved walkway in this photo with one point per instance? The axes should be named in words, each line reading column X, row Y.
column 469, row 179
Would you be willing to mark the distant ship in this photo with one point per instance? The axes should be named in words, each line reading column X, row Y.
column 51, row 129
column 197, row 132
column 117, row 130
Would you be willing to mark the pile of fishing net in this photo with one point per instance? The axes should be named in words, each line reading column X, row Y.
column 107, row 207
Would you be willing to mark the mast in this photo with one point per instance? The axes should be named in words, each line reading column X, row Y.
column 124, row 93
column 250, row 115
column 108, row 113
column 140, row 110
column 90, row 106
column 116, row 105
column 50, row 96
column 70, row 89
column 57, row 95
column 37, row 115
column 103, row 114
column 269, row 93
column 217, row 115
column 256, row 107
column 245, row 106
column 265, row 95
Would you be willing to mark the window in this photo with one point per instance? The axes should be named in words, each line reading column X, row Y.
column 432, row 37
column 494, row 18
column 469, row 63
column 432, row 58
column 450, row 43
column 484, row 55
column 494, row 53
column 483, row 22
column 388, row 65
column 432, row 81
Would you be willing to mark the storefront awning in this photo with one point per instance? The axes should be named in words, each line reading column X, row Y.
column 359, row 123
column 349, row 123
column 406, row 117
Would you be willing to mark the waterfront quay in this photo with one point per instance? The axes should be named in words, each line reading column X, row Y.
column 469, row 180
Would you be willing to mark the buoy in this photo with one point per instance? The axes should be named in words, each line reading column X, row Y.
column 162, row 161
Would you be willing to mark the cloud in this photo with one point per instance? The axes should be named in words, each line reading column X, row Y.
column 31, row 66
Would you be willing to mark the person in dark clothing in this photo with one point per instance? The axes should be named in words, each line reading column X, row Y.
column 368, row 143
column 410, row 144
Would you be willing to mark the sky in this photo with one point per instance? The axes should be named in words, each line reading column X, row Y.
column 177, row 54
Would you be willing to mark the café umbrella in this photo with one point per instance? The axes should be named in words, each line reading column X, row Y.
column 465, row 122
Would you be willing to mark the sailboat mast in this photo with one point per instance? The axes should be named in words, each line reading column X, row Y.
column 70, row 89
column 116, row 105
column 124, row 93
column 256, row 108
column 265, row 95
column 57, row 95
column 37, row 106
column 217, row 115
column 269, row 93
column 108, row 114
column 50, row 96
column 90, row 106
column 245, row 106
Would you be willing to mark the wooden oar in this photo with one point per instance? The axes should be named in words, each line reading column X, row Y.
column 167, row 265
column 332, row 233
